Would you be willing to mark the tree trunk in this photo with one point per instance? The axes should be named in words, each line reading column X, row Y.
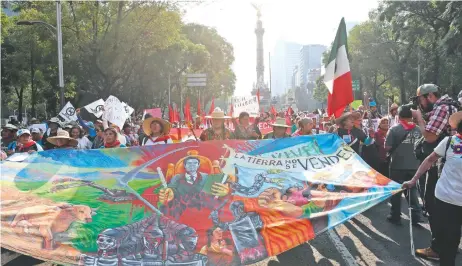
column 32, row 80
column 402, row 87
column 20, row 98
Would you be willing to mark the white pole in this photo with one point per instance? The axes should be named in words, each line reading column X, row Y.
column 60, row 52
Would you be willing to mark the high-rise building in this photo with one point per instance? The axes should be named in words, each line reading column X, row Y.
column 310, row 57
column 284, row 59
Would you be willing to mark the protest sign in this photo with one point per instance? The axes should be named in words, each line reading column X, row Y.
column 128, row 109
column 374, row 124
column 114, row 111
column 107, row 201
column 247, row 104
column 96, row 108
column 155, row 112
column 68, row 112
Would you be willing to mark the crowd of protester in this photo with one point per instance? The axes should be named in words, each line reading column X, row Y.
column 419, row 147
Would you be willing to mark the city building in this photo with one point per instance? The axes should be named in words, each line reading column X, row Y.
column 310, row 58
column 284, row 59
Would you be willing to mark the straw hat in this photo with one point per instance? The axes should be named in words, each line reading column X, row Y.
column 280, row 122
column 455, row 119
column 217, row 114
column 10, row 127
column 62, row 134
column 394, row 106
column 147, row 125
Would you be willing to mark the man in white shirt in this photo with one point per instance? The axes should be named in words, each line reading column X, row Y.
column 448, row 193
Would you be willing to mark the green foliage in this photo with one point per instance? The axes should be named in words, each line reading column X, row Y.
column 127, row 49
column 387, row 50
column 320, row 91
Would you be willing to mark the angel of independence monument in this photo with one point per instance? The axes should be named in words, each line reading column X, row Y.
column 265, row 92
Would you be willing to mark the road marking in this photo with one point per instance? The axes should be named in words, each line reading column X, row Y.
column 346, row 255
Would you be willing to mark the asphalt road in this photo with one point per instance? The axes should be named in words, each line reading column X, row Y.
column 367, row 239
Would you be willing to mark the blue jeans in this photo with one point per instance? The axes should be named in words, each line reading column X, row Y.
column 400, row 176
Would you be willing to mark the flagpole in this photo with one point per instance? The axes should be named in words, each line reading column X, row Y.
column 269, row 65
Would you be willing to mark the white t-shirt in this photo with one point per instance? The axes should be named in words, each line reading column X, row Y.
column 449, row 186
column 149, row 142
column 84, row 143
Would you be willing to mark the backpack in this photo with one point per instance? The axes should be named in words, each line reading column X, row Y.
column 423, row 149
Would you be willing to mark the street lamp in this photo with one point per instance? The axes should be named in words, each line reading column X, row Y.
column 57, row 34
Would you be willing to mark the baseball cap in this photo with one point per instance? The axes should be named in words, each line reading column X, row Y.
column 35, row 130
column 22, row 132
column 427, row 88
column 10, row 127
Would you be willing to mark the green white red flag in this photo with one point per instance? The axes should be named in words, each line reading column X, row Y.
column 337, row 75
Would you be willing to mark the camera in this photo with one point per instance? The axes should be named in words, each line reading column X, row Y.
column 413, row 103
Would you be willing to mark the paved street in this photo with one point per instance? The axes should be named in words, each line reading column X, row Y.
column 367, row 239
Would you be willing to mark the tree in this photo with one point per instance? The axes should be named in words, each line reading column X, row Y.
column 320, row 91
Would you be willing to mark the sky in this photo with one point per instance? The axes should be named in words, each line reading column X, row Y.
column 300, row 21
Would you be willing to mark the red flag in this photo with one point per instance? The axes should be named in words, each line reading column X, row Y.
column 258, row 96
column 273, row 111
column 177, row 115
column 289, row 111
column 170, row 114
column 212, row 106
column 337, row 75
column 187, row 111
column 199, row 111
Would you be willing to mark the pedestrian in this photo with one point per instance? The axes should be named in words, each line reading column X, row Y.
column 217, row 131
column 350, row 134
column 25, row 143
column 53, row 125
column 156, row 132
column 305, row 127
column 8, row 138
column 374, row 112
column 438, row 109
column 78, row 134
column 393, row 115
column 111, row 139
column 280, row 128
column 379, row 137
column 98, row 141
column 448, row 192
column 132, row 139
column 36, row 135
column 399, row 143
column 62, row 140
column 245, row 130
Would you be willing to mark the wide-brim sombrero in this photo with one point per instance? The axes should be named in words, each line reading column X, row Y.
column 147, row 125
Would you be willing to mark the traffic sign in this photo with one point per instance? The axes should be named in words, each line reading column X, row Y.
column 196, row 80
column 356, row 86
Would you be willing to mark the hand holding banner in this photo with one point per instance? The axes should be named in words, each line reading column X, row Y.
column 68, row 112
column 96, row 107
column 114, row 111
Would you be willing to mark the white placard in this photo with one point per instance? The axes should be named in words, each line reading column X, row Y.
column 96, row 107
column 114, row 111
column 374, row 122
column 68, row 112
column 42, row 127
column 128, row 109
column 247, row 104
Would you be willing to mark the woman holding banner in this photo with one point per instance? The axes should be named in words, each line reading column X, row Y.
column 245, row 130
column 218, row 131
column 156, row 132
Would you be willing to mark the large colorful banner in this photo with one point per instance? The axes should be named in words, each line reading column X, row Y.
column 194, row 203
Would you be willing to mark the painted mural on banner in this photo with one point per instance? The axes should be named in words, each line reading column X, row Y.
column 193, row 203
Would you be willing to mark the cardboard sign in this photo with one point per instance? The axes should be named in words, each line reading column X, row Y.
column 68, row 112
column 96, row 108
column 247, row 104
column 114, row 111
column 374, row 124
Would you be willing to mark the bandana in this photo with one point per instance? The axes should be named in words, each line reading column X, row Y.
column 407, row 125
column 162, row 138
column 27, row 145
column 112, row 145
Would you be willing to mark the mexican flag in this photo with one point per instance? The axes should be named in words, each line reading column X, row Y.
column 337, row 75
